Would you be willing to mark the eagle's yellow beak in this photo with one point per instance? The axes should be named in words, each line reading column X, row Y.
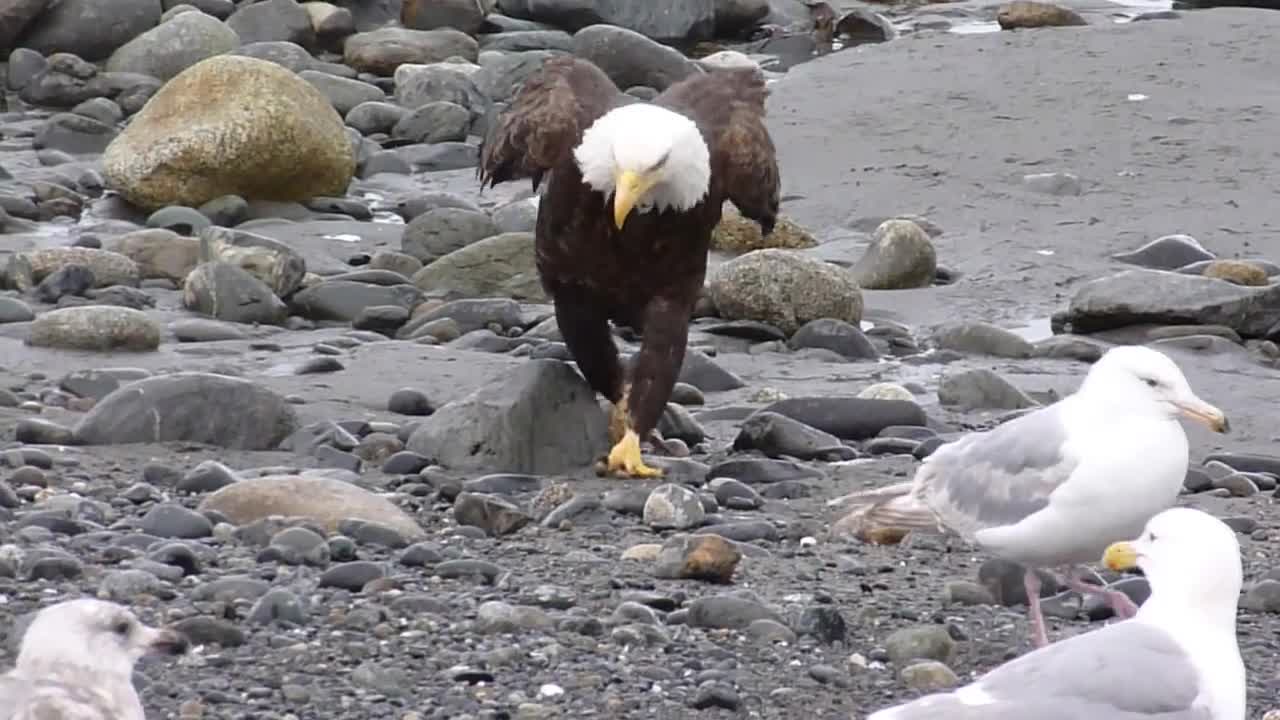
column 629, row 187
column 1120, row 556
column 1197, row 409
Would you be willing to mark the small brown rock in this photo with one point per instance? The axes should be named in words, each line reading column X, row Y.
column 929, row 676
column 1240, row 272
column 1029, row 14
column 697, row 557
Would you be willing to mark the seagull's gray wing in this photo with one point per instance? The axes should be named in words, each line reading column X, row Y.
column 1128, row 671
column 998, row 477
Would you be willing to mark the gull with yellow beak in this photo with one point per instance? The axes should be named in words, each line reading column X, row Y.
column 1177, row 659
column 633, row 192
column 1054, row 487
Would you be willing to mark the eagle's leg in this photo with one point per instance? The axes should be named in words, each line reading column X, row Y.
column 585, row 329
column 653, row 376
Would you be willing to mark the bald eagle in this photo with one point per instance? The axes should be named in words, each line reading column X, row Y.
column 633, row 192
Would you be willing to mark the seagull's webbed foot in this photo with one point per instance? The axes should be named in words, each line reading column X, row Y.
column 1121, row 604
column 625, row 458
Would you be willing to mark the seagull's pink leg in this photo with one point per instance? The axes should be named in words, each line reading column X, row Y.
column 1031, row 581
column 1121, row 604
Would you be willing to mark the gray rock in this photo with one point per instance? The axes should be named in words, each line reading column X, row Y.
column 525, row 40
column 901, row 256
column 1168, row 252
column 288, row 55
column 382, row 51
column 91, row 29
column 777, row 435
column 975, row 336
column 465, row 15
column 784, row 289
column 498, row 266
column 675, row 507
column 735, row 16
column 1169, row 298
column 229, row 293
column 169, row 520
column 375, row 117
column 193, row 407
column 396, row 262
column 74, row 133
column 501, row 74
column 95, row 327
column 344, row 93
column 441, row 231
column 15, row 16
column 494, row 515
column 271, row 261
column 838, row 336
column 439, row 121
column 344, row 300
column 981, row 389
column 417, row 85
column 663, row 20
column 629, row 58
column 541, row 418
column 517, row 216
column 926, row 642
column 280, row 20
column 174, row 46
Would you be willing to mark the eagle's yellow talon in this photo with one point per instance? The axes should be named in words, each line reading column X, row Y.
column 625, row 457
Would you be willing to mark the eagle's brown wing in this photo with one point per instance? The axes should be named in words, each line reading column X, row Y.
column 728, row 105
column 545, row 121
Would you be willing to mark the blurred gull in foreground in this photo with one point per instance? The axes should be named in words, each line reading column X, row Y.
column 76, row 663
column 1177, row 659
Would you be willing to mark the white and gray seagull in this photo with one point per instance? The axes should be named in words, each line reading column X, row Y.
column 76, row 663
column 1052, row 488
column 1177, row 659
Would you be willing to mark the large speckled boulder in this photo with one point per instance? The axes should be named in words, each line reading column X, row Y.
column 231, row 125
column 785, row 289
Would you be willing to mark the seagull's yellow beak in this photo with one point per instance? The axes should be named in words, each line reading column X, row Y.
column 1120, row 556
column 629, row 187
column 1197, row 409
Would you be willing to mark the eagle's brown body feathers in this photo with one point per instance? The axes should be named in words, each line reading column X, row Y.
column 648, row 274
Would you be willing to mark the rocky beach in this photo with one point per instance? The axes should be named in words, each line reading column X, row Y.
column 278, row 375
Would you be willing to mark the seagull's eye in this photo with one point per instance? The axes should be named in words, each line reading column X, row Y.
column 1151, row 382
column 1151, row 537
column 121, row 627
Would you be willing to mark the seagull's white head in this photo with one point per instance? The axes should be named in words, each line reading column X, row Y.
column 642, row 156
column 87, row 633
column 1136, row 377
column 1190, row 559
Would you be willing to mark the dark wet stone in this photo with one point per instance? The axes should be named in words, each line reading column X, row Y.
column 206, row 630
column 353, row 575
column 849, row 418
column 757, row 471
column 778, row 435
column 734, row 494
column 421, row 555
column 168, row 520
column 194, row 407
column 731, row 612
column 482, row 569
column 1166, row 253
column 1004, row 580
column 837, row 336
column 36, row 431
column 1197, row 480
column 209, row 476
column 981, row 389
column 278, row 606
column 891, row 446
column 743, row 530
column 702, row 372
column 1247, row 462
column 972, row 336
column 319, row 365
column 177, row 555
column 69, row 279
column 405, row 462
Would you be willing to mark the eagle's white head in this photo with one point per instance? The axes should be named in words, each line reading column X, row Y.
column 646, row 157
